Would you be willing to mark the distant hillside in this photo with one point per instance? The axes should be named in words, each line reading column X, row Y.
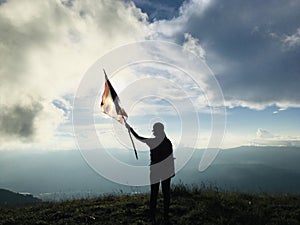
column 188, row 206
column 274, row 170
column 9, row 198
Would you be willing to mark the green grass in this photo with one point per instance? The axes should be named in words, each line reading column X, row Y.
column 189, row 205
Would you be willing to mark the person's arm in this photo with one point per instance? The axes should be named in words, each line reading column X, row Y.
column 142, row 139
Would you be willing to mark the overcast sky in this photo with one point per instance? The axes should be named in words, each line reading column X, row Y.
column 252, row 47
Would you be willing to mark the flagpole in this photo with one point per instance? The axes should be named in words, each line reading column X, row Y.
column 135, row 152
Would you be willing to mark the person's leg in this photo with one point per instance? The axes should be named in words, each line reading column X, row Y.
column 166, row 189
column 153, row 199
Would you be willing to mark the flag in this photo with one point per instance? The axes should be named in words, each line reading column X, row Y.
column 110, row 103
column 111, row 106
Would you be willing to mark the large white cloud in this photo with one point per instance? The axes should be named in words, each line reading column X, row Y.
column 45, row 48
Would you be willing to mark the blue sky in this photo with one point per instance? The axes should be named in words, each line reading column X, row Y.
column 252, row 48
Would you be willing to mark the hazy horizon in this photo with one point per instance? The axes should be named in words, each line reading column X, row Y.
column 66, row 175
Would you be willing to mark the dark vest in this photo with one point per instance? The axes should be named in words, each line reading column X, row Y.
column 161, row 152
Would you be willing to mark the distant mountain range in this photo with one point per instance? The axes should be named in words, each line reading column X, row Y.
column 9, row 198
column 249, row 169
column 65, row 174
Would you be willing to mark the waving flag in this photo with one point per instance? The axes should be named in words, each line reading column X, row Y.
column 110, row 103
column 111, row 106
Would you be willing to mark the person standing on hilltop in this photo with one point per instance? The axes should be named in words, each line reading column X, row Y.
column 161, row 166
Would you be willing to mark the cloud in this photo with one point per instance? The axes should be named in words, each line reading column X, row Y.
column 155, row 88
column 293, row 40
column 18, row 121
column 262, row 137
column 171, row 29
column 253, row 68
column 45, row 48
column 192, row 44
column 261, row 133
column 266, row 138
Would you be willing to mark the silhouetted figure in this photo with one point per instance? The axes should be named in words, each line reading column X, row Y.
column 161, row 166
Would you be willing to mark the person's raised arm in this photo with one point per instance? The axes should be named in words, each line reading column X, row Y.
column 142, row 139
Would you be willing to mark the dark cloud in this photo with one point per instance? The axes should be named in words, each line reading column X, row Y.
column 246, row 48
column 256, row 66
column 2, row 1
column 18, row 121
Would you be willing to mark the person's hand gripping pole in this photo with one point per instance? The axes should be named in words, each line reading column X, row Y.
column 128, row 128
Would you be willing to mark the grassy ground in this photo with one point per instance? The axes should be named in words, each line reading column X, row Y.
column 188, row 206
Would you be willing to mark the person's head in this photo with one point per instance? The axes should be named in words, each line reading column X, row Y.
column 158, row 129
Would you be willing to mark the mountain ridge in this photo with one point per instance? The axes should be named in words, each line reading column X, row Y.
column 10, row 198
